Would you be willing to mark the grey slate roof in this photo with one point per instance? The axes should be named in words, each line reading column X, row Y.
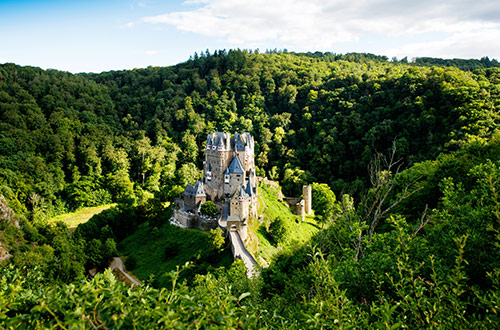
column 242, row 195
column 220, row 145
column 219, row 140
column 239, row 145
column 235, row 166
column 197, row 190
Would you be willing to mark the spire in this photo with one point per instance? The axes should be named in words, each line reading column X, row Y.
column 238, row 143
column 220, row 146
column 209, row 142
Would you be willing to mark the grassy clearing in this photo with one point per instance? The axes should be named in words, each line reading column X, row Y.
column 262, row 245
column 73, row 219
column 157, row 251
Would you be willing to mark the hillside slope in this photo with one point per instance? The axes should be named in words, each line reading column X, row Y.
column 411, row 243
column 69, row 141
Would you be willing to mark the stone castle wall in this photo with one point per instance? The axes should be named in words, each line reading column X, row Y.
column 186, row 219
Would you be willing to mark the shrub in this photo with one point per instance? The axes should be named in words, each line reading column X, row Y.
column 209, row 208
column 216, row 239
column 277, row 230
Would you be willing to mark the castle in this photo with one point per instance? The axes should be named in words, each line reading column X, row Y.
column 229, row 180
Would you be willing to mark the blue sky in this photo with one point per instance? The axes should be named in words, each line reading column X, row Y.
column 95, row 36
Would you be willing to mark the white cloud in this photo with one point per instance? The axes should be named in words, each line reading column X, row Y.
column 301, row 23
column 2, row 60
column 138, row 4
column 472, row 44
column 321, row 24
column 128, row 25
column 151, row 52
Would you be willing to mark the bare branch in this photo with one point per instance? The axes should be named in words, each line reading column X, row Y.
column 422, row 221
column 379, row 213
column 384, row 181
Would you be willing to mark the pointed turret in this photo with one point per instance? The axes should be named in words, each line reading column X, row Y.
column 238, row 143
column 241, row 196
column 249, row 189
column 253, row 178
column 209, row 142
column 220, row 145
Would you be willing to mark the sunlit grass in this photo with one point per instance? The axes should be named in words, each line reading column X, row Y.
column 158, row 251
column 73, row 219
column 270, row 207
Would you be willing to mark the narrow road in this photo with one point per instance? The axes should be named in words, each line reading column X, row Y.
column 118, row 264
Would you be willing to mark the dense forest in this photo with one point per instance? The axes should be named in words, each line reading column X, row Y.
column 406, row 156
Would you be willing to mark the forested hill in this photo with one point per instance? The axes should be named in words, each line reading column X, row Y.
column 410, row 239
column 72, row 140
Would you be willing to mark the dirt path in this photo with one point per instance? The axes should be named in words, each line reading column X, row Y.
column 117, row 265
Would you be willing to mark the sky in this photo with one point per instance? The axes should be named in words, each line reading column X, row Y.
column 96, row 36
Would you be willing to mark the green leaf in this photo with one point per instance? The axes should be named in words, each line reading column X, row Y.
column 395, row 326
column 243, row 296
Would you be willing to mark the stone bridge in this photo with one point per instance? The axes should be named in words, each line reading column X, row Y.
column 240, row 252
column 238, row 246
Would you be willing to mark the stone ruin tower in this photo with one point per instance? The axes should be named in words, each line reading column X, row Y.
column 307, row 196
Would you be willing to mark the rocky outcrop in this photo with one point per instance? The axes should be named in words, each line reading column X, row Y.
column 4, row 254
column 6, row 214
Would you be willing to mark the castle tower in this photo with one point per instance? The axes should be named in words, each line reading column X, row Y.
column 229, row 163
column 217, row 158
column 229, row 180
column 307, row 195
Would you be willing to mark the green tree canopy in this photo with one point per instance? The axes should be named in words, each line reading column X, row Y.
column 209, row 208
column 324, row 202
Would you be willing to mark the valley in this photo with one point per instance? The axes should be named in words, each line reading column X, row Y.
column 402, row 159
